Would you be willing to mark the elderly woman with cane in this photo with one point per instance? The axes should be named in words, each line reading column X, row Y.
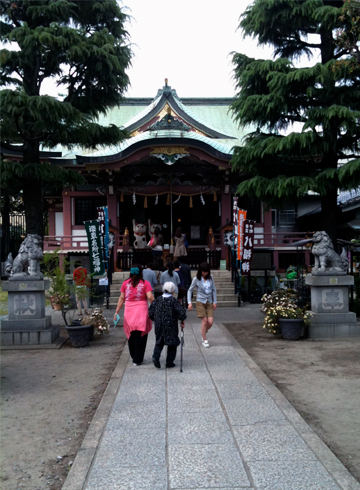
column 205, row 300
column 135, row 293
column 166, row 311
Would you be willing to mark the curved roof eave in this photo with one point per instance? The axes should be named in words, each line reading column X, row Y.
column 212, row 147
column 168, row 98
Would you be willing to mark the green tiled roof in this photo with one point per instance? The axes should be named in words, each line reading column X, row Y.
column 210, row 113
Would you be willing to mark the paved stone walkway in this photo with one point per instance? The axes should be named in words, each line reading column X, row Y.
column 221, row 424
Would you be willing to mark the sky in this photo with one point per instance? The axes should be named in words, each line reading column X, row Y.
column 188, row 42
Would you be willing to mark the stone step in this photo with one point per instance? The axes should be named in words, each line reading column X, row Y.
column 217, row 282
column 222, row 303
column 228, row 287
column 216, row 275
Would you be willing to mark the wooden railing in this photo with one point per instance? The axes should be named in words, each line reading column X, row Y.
column 195, row 257
column 65, row 242
column 284, row 239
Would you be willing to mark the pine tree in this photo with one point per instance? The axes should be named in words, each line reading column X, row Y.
column 349, row 39
column 84, row 46
column 306, row 119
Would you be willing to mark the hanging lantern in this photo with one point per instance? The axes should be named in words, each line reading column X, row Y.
column 145, row 202
column 215, row 196
column 168, row 200
column 122, row 197
column 190, row 203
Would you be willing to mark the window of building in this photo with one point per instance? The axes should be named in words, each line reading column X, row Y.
column 287, row 218
column 85, row 208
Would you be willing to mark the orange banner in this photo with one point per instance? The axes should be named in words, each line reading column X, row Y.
column 240, row 234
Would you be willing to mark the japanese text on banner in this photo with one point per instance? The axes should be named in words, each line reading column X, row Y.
column 103, row 220
column 241, row 219
column 95, row 247
column 249, row 232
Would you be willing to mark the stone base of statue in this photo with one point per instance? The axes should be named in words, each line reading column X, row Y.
column 27, row 323
column 331, row 317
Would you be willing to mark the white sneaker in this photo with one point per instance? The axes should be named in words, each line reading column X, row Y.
column 205, row 343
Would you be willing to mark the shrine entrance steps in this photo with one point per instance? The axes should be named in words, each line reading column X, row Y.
column 224, row 288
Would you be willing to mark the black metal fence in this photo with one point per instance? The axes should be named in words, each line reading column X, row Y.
column 11, row 231
column 194, row 258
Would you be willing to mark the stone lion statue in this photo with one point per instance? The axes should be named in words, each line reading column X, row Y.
column 326, row 259
column 29, row 256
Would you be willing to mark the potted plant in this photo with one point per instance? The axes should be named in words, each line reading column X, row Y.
column 96, row 318
column 60, row 290
column 282, row 314
column 82, row 331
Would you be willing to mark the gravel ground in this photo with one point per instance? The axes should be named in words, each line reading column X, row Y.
column 48, row 399
column 321, row 379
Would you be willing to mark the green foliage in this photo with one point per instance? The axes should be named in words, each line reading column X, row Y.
column 348, row 39
column 60, row 290
column 83, row 45
column 278, row 160
column 281, row 304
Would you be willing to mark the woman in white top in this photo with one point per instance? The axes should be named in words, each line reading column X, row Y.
column 205, row 300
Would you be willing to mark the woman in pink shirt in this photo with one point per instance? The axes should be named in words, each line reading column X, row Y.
column 135, row 293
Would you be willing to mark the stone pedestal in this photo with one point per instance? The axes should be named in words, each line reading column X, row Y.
column 27, row 323
column 330, row 307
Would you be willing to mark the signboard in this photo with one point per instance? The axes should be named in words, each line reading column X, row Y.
column 235, row 221
column 103, row 219
column 223, row 265
column 95, row 247
column 240, row 238
column 248, row 245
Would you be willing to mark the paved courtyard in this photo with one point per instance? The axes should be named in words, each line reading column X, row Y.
column 220, row 424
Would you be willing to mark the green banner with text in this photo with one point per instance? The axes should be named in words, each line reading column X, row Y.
column 95, row 248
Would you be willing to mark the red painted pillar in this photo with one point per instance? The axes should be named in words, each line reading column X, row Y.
column 112, row 211
column 111, row 202
column 52, row 221
column 276, row 259
column 67, row 217
column 226, row 215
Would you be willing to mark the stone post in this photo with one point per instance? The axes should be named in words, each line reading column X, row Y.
column 27, row 323
column 330, row 307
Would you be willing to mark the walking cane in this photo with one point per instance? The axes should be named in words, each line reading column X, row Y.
column 182, row 345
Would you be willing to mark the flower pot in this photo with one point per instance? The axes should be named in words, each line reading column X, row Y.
column 80, row 335
column 56, row 306
column 291, row 329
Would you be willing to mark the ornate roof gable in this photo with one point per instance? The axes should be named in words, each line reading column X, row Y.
column 177, row 117
column 169, row 122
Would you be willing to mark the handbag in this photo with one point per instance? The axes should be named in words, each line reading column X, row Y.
column 151, row 242
column 185, row 242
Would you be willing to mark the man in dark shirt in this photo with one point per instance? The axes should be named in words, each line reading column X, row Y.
column 186, row 273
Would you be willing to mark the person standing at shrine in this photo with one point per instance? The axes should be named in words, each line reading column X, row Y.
column 205, row 300
column 149, row 275
column 180, row 249
column 171, row 276
column 157, row 244
column 80, row 281
column 135, row 293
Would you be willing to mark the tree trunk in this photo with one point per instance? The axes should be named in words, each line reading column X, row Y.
column 329, row 215
column 33, row 193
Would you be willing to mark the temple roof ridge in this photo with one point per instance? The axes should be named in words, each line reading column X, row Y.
column 168, row 97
